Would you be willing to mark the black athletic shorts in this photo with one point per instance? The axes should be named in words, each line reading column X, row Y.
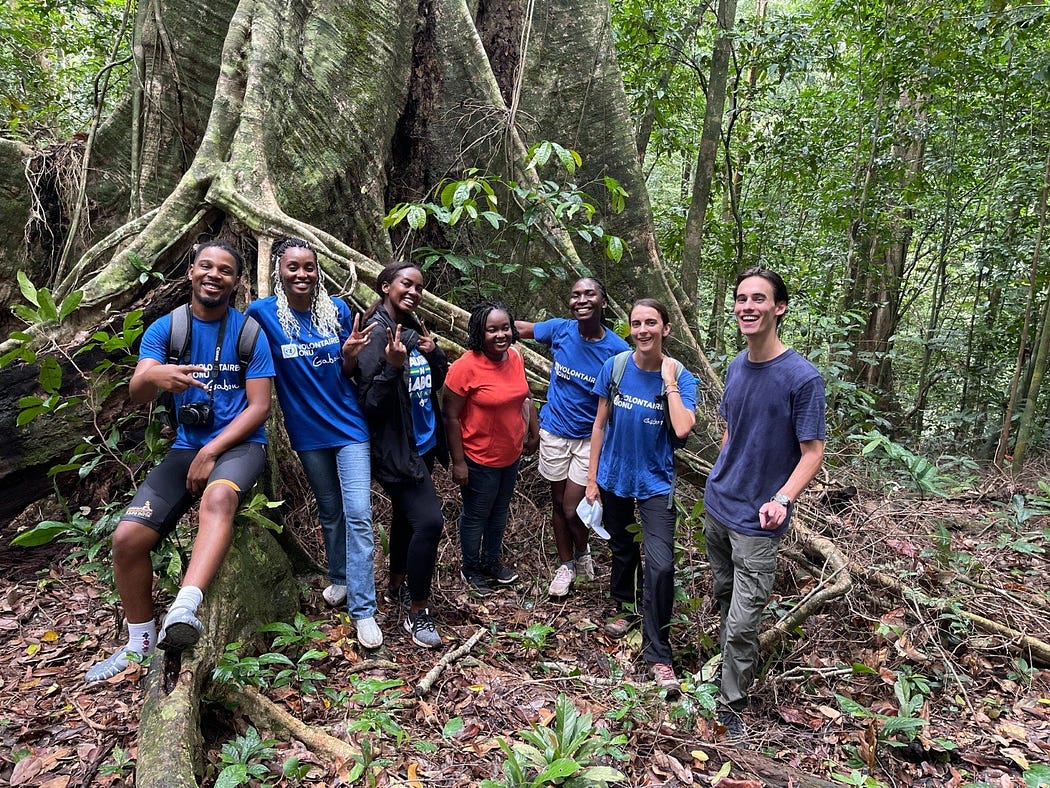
column 162, row 498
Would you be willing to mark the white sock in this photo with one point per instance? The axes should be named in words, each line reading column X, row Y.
column 189, row 597
column 142, row 637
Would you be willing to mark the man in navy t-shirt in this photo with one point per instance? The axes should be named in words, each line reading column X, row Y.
column 772, row 448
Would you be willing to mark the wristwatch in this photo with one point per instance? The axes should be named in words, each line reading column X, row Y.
column 782, row 499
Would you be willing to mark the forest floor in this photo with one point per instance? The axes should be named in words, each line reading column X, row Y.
column 876, row 689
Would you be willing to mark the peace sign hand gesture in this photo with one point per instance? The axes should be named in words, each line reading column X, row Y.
column 395, row 348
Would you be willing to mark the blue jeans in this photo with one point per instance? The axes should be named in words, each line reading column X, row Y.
column 486, row 504
column 340, row 478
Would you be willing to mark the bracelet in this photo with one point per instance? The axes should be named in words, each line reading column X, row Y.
column 673, row 390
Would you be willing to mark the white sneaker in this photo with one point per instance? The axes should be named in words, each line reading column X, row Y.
column 368, row 633
column 585, row 566
column 562, row 581
column 334, row 595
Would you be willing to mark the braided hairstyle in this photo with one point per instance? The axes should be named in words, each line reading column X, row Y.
column 479, row 316
column 323, row 314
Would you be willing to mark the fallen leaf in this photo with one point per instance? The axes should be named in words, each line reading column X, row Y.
column 413, row 781
column 1018, row 757
column 699, row 755
column 26, row 769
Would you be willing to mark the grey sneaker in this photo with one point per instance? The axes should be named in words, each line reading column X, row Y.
column 500, row 573
column 111, row 666
column 181, row 630
column 585, row 566
column 423, row 629
column 398, row 596
column 368, row 633
column 477, row 583
column 334, row 595
column 562, row 582
column 730, row 719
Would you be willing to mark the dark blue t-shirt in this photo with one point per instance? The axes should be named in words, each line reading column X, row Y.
column 637, row 460
column 571, row 404
column 320, row 404
column 229, row 397
column 769, row 408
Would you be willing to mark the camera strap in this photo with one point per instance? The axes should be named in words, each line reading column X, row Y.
column 213, row 376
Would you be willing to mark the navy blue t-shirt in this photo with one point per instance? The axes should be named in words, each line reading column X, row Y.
column 769, row 408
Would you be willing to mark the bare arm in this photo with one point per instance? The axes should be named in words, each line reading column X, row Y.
column 772, row 515
column 525, row 329
column 453, row 405
column 682, row 418
column 150, row 376
column 597, row 437
column 532, row 437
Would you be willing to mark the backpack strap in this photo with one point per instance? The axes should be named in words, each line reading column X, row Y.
column 179, row 334
column 246, row 344
column 619, row 365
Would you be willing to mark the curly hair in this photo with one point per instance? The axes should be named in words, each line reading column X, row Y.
column 323, row 314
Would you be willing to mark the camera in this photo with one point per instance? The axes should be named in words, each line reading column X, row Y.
column 195, row 414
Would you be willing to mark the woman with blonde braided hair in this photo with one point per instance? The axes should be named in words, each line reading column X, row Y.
column 315, row 342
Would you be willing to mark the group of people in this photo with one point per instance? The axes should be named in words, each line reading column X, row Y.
column 360, row 400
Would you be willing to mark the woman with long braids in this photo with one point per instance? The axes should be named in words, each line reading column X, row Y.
column 490, row 420
column 400, row 371
column 315, row 345
column 642, row 400
column 580, row 346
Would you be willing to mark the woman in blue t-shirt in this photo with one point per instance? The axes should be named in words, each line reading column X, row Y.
column 632, row 465
column 314, row 346
column 580, row 347
column 400, row 371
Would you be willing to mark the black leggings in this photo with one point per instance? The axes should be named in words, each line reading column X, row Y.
column 415, row 529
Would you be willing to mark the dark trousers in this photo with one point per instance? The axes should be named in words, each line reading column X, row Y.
column 653, row 594
column 486, row 505
column 415, row 529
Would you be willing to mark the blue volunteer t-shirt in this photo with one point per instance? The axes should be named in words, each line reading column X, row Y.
column 769, row 408
column 420, row 391
column 637, row 460
column 320, row 404
column 571, row 404
column 229, row 398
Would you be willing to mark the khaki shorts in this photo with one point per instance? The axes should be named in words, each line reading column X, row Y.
column 564, row 458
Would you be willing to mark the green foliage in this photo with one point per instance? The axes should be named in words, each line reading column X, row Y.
column 534, row 637
column 564, row 754
column 244, row 759
column 122, row 764
column 254, row 512
column 299, row 634
column 486, row 243
column 371, row 697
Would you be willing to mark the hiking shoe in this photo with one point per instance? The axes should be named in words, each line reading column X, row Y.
column 663, row 675
column 423, row 629
column 398, row 596
column 477, row 583
column 585, row 566
column 730, row 719
column 562, row 581
column 334, row 595
column 368, row 633
column 181, row 630
column 620, row 624
column 499, row 572
column 111, row 666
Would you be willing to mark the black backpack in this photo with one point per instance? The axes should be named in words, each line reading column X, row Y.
column 179, row 344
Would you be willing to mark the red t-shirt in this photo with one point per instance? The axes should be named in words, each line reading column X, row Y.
column 491, row 420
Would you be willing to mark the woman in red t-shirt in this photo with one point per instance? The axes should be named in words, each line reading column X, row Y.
column 490, row 420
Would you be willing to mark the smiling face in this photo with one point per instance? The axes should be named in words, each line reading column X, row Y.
column 298, row 269
column 404, row 292
column 586, row 300
column 648, row 329
column 755, row 308
column 213, row 277
column 498, row 334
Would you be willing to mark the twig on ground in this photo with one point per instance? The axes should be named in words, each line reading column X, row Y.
column 427, row 682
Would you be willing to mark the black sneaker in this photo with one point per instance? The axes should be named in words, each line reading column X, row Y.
column 399, row 596
column 477, row 583
column 500, row 573
column 735, row 729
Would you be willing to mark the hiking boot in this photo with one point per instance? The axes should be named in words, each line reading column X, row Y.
column 620, row 624
column 399, row 596
column 477, row 583
column 334, row 595
column 368, row 633
column 663, row 675
column 499, row 572
column 181, row 630
column 585, row 566
column 562, row 582
column 423, row 629
column 730, row 719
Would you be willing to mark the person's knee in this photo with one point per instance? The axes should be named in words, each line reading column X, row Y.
column 219, row 502
column 132, row 542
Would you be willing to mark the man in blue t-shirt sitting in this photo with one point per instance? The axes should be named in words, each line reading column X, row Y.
column 219, row 451
column 772, row 448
